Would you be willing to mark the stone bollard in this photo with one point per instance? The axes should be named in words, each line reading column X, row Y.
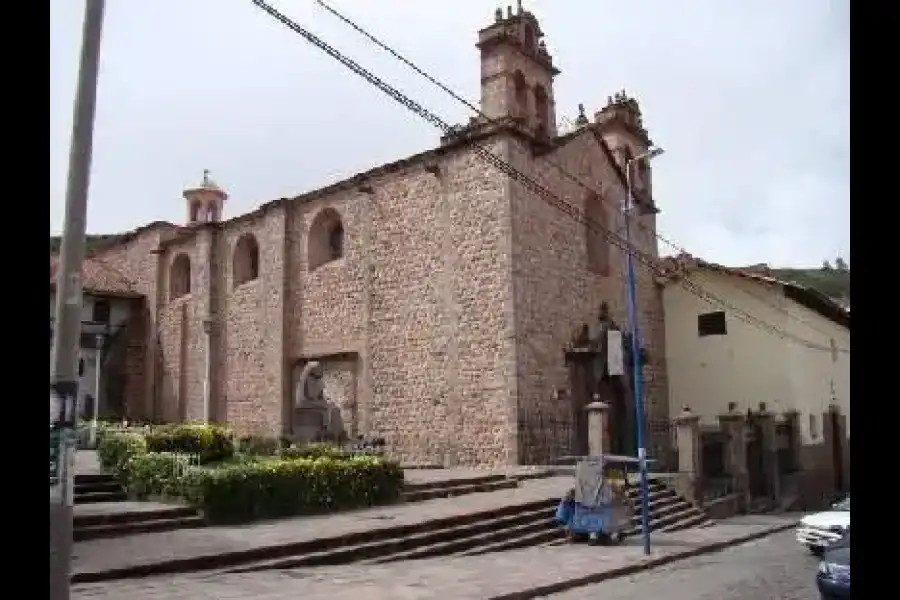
column 689, row 455
column 734, row 424
column 598, row 417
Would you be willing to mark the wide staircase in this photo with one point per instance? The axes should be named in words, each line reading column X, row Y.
column 105, row 519
column 510, row 527
column 108, row 522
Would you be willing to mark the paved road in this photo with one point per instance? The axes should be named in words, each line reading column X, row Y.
column 773, row 568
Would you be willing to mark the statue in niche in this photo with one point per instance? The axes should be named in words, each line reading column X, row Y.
column 311, row 386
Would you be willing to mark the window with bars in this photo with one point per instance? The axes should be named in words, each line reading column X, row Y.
column 712, row 323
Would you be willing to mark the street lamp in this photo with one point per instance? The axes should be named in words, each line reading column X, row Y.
column 95, row 409
column 637, row 367
column 207, row 331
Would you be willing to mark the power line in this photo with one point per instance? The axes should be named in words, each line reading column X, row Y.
column 571, row 177
column 533, row 186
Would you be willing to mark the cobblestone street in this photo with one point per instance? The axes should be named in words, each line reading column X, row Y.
column 772, row 568
column 481, row 577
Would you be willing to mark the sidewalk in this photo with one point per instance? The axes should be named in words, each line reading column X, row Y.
column 117, row 553
column 528, row 573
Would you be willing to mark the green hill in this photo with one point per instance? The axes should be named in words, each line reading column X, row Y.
column 93, row 242
column 834, row 283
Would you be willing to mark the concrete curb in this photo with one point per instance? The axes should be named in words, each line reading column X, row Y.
column 652, row 563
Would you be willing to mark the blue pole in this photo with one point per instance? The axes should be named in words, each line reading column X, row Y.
column 638, row 384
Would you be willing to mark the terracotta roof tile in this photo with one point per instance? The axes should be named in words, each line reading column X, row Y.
column 97, row 276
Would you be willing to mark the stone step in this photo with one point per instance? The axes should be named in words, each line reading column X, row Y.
column 537, row 523
column 109, row 530
column 451, row 491
column 544, row 537
column 690, row 521
column 133, row 516
column 659, row 523
column 107, row 496
column 450, row 483
column 387, row 542
column 91, row 478
column 99, row 486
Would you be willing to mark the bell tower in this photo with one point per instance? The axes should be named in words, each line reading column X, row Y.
column 517, row 72
column 206, row 202
column 621, row 125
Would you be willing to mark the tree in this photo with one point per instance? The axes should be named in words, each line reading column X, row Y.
column 840, row 264
column 826, row 266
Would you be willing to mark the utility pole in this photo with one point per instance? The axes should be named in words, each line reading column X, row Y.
column 67, row 334
column 637, row 368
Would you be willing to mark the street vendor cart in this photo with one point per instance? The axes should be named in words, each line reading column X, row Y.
column 599, row 506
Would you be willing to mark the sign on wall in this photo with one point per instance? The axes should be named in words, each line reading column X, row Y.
column 615, row 352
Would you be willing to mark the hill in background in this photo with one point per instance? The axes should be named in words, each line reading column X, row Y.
column 92, row 243
column 834, row 283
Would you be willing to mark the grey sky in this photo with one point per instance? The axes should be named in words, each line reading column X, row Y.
column 751, row 101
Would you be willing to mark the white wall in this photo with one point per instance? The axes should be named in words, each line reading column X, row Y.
column 750, row 365
column 119, row 313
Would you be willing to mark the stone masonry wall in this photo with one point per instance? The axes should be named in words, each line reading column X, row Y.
column 422, row 296
column 554, row 290
column 250, row 365
column 137, row 260
column 181, row 338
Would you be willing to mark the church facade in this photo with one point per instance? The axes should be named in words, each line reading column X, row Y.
column 436, row 294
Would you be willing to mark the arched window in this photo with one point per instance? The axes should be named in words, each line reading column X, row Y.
column 521, row 90
column 326, row 238
column 542, row 110
column 596, row 228
column 245, row 260
column 180, row 277
column 195, row 212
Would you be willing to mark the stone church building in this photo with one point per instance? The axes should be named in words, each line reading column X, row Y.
column 436, row 293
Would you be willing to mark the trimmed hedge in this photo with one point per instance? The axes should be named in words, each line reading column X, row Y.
column 314, row 450
column 156, row 474
column 210, row 443
column 255, row 445
column 115, row 450
column 282, row 488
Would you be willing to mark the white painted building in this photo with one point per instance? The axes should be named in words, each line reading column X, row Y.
column 105, row 314
column 794, row 357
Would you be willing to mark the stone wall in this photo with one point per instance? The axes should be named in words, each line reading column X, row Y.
column 555, row 292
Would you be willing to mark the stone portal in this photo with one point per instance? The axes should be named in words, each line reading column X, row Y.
column 591, row 380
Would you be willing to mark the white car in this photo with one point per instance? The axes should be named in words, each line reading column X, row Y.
column 820, row 530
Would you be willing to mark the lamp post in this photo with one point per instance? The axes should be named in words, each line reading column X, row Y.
column 207, row 330
column 637, row 367
column 66, row 341
column 95, row 409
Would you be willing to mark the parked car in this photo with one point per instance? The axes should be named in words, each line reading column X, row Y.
column 833, row 577
column 819, row 530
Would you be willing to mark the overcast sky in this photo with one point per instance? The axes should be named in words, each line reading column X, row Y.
column 750, row 100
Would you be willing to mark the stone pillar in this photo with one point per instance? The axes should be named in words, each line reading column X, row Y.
column 598, row 416
column 766, row 422
column 687, row 435
column 733, row 423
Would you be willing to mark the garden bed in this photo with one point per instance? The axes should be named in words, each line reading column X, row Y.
column 231, row 481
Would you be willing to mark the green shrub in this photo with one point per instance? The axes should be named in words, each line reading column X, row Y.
column 314, row 450
column 255, row 445
column 280, row 488
column 156, row 474
column 210, row 443
column 114, row 450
